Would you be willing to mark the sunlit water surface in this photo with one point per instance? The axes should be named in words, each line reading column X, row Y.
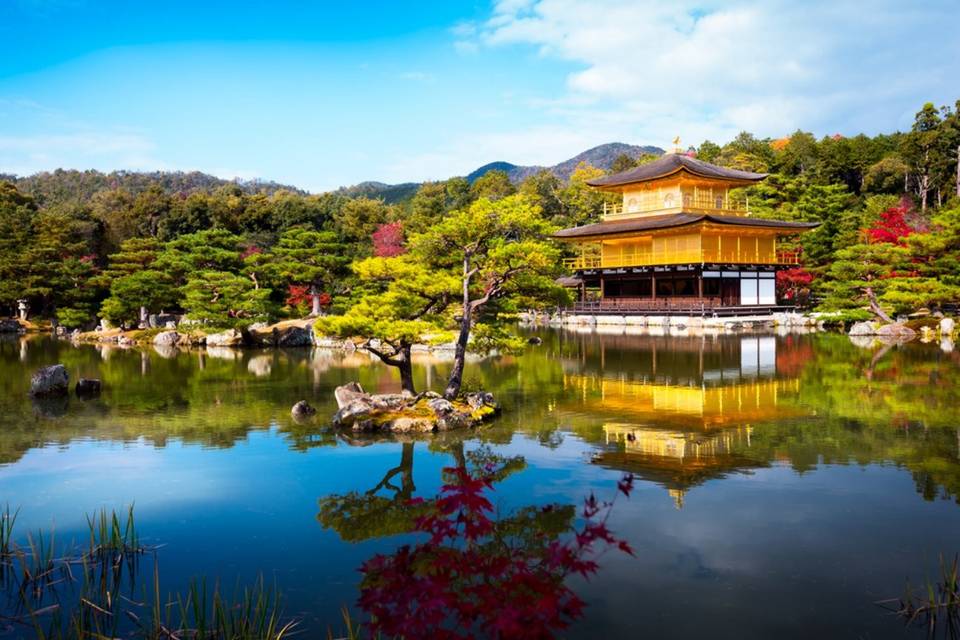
column 785, row 484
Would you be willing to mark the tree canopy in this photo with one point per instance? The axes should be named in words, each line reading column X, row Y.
column 80, row 245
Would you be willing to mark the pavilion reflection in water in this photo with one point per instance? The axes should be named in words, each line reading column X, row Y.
column 684, row 412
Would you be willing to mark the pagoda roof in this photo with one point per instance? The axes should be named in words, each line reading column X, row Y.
column 672, row 163
column 671, row 220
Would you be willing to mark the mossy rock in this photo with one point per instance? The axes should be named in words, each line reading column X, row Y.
column 394, row 413
column 917, row 324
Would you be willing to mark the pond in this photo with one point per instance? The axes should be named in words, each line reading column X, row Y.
column 784, row 484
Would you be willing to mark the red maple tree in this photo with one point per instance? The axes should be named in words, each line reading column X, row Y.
column 388, row 240
column 793, row 285
column 476, row 577
column 300, row 294
column 894, row 225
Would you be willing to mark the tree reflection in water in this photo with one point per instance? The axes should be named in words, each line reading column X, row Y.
column 475, row 574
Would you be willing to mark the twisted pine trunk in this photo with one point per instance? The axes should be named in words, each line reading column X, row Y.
column 406, row 370
column 460, row 353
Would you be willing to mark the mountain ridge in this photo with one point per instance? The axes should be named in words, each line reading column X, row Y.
column 71, row 183
column 600, row 156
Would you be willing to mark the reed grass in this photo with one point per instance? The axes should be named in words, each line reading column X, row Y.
column 936, row 606
column 110, row 533
column 353, row 631
column 86, row 594
column 7, row 521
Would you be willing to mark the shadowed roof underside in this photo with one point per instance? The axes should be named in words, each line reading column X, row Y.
column 672, row 163
column 652, row 223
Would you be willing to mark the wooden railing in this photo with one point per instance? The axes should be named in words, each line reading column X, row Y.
column 647, row 203
column 681, row 257
column 692, row 306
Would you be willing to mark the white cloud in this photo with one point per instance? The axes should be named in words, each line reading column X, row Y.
column 711, row 69
column 26, row 154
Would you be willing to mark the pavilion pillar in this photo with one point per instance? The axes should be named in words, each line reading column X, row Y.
column 653, row 285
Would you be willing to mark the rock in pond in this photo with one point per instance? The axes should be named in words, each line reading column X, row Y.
column 166, row 338
column 88, row 387
column 50, row 381
column 402, row 413
column 863, row 329
column 228, row 338
column 947, row 326
column 896, row 331
column 294, row 337
column 302, row 410
column 9, row 326
column 347, row 393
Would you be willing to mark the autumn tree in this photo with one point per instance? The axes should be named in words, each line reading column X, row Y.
column 881, row 271
column 388, row 240
column 402, row 301
column 494, row 251
column 461, row 276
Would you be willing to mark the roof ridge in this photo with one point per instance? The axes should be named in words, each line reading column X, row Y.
column 670, row 163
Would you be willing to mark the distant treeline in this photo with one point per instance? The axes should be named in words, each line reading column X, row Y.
column 71, row 242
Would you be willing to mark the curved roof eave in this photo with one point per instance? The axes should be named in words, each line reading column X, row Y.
column 673, row 221
column 670, row 164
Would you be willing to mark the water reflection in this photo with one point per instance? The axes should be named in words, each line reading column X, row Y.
column 771, row 444
column 656, row 402
column 680, row 411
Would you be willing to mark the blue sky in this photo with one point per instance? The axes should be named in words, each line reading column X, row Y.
column 321, row 95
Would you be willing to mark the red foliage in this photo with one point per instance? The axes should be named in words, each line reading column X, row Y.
column 297, row 294
column 468, row 580
column 300, row 294
column 388, row 240
column 792, row 359
column 793, row 285
column 249, row 251
column 892, row 227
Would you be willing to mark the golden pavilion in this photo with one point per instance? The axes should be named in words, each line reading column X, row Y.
column 682, row 240
column 679, row 411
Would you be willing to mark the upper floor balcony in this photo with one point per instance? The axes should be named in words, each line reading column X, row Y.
column 692, row 200
column 683, row 256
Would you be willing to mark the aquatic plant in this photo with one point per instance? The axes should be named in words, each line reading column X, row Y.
column 7, row 521
column 78, row 594
column 936, row 606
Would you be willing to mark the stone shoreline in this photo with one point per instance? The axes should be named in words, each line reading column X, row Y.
column 287, row 333
column 810, row 321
